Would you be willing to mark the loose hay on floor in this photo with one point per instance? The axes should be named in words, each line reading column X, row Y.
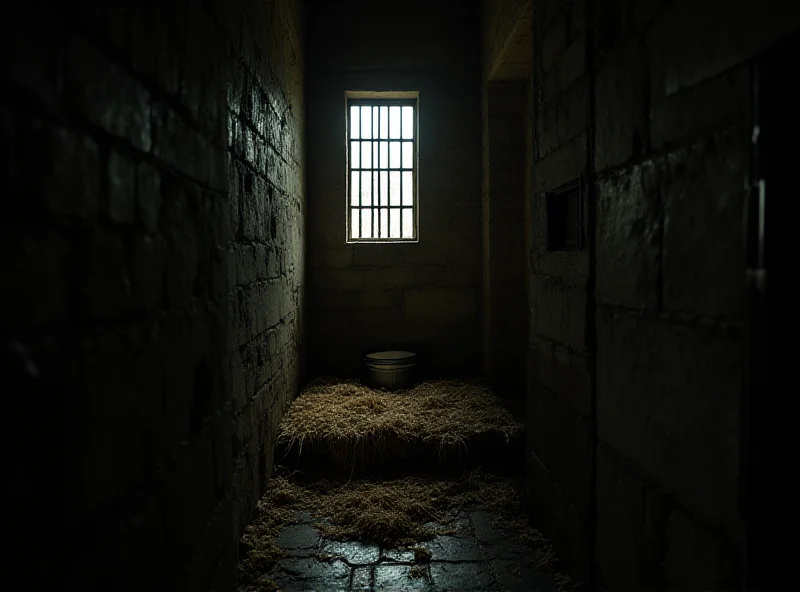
column 394, row 513
column 359, row 425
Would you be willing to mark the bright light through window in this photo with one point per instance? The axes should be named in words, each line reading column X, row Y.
column 382, row 166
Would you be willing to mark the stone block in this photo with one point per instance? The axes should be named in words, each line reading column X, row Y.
column 550, row 87
column 716, row 36
column 620, row 108
column 683, row 433
column 372, row 298
column 554, row 41
column 565, row 164
column 629, row 238
column 148, row 196
column 64, row 168
column 473, row 575
column 563, row 118
column 485, row 529
column 177, row 144
column 362, row 579
column 561, row 521
column 704, row 189
column 298, row 536
column 719, row 102
column 451, row 548
column 101, row 92
column 121, row 189
column 572, row 266
column 631, row 527
column 562, row 440
column 572, row 64
column 390, row 577
column 331, row 258
column 558, row 311
column 351, row 552
column 311, row 574
column 562, row 371
column 442, row 306
column 345, row 279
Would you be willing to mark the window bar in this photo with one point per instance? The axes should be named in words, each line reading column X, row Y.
column 414, row 228
column 380, row 192
column 388, row 166
column 350, row 142
column 360, row 178
column 400, row 146
column 373, row 174
column 349, row 122
column 414, row 161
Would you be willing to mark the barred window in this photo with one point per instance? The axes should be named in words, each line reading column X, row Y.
column 382, row 169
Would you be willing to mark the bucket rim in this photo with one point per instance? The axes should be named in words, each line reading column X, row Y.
column 390, row 357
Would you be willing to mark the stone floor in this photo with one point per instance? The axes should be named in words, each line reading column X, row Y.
column 476, row 556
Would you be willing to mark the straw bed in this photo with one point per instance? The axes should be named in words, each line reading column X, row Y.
column 358, row 425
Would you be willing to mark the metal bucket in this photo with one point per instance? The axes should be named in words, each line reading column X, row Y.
column 391, row 370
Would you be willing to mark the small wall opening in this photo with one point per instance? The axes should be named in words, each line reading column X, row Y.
column 564, row 216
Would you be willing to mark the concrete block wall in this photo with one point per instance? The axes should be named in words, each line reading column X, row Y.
column 424, row 295
column 636, row 342
column 153, row 270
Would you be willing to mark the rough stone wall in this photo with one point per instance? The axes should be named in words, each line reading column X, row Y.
column 152, row 273
column 424, row 295
column 636, row 343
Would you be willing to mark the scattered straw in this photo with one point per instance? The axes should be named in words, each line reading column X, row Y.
column 394, row 514
column 359, row 424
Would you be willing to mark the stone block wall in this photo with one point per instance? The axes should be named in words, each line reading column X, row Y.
column 424, row 295
column 671, row 158
column 152, row 267
column 559, row 365
column 636, row 342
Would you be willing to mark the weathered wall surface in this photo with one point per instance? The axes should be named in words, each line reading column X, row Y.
column 152, row 269
column 426, row 295
column 672, row 156
column 559, row 403
column 635, row 349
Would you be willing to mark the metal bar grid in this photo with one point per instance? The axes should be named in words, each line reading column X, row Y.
column 379, row 133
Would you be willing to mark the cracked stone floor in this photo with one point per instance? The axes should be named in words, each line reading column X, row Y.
column 476, row 556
